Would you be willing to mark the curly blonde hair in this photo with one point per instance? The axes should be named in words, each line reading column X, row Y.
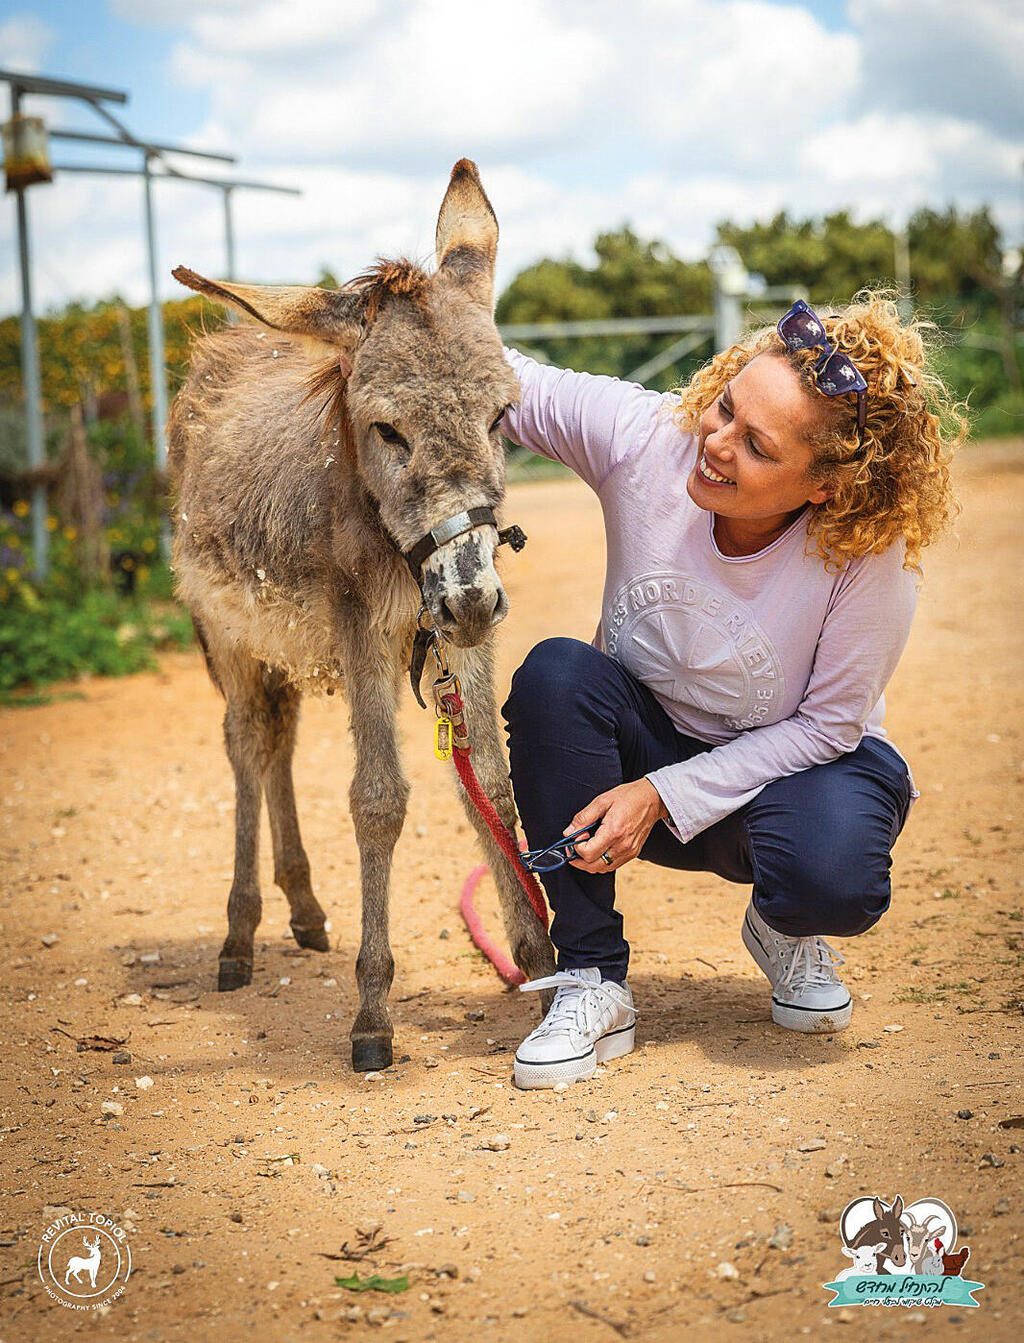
column 898, row 484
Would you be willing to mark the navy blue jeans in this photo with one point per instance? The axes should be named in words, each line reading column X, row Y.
column 816, row 845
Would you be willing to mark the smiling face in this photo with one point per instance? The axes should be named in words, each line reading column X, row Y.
column 754, row 461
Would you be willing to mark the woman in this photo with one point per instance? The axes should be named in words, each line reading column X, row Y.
column 764, row 529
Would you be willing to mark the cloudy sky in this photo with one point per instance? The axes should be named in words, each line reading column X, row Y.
column 582, row 114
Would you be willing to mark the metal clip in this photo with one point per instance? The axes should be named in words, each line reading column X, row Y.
column 445, row 685
column 443, row 737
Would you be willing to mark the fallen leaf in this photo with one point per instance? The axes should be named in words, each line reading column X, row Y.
column 374, row 1283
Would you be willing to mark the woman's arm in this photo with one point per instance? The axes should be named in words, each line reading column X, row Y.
column 861, row 641
column 588, row 422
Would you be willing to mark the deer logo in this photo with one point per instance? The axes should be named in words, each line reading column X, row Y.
column 79, row 1264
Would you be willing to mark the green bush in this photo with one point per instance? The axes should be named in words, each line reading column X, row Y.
column 46, row 636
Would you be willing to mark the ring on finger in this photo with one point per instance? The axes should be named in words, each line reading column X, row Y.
column 607, row 858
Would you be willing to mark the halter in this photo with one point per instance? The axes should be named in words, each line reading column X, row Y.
column 455, row 526
column 416, row 555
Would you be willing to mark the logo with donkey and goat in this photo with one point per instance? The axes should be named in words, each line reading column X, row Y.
column 901, row 1256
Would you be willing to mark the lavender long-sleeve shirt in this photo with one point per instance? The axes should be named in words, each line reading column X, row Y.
column 775, row 661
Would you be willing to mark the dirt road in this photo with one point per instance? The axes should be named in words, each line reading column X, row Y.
column 690, row 1190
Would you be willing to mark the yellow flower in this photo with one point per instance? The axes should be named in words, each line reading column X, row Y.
column 21, row 509
column 149, row 544
column 70, row 533
column 143, row 572
column 51, row 523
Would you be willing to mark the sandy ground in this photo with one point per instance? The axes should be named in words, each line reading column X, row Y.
column 691, row 1189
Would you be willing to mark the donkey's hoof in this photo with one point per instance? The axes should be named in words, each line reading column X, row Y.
column 314, row 939
column 234, row 973
column 371, row 1053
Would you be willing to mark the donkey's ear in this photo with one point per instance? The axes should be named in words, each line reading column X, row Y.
column 467, row 233
column 326, row 317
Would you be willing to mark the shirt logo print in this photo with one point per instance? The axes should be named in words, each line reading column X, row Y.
column 693, row 645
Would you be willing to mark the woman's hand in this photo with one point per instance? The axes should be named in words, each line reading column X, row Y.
column 628, row 814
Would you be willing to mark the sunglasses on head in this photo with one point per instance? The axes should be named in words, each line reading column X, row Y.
column 834, row 372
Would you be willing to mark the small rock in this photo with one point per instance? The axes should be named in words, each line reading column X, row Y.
column 835, row 1168
column 114, row 1108
column 727, row 1270
column 892, row 1030
column 643, row 1240
column 121, row 1056
column 143, row 1083
column 812, row 1145
column 737, row 1315
column 464, row 1196
column 1001, row 1208
column 965, row 1114
column 447, row 1271
column 560, row 1086
column 990, row 1159
column 237, row 1217
column 131, row 1000
column 781, row 1238
column 500, row 1142
column 867, row 1044
column 423, row 1119
column 444, row 934
column 649, row 1276
column 475, row 1015
column 49, row 939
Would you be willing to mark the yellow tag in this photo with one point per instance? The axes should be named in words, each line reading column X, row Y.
column 443, row 738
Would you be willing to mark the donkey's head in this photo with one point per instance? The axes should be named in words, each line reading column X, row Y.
column 421, row 385
column 886, row 1228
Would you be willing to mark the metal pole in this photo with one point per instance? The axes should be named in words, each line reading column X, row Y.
column 229, row 235
column 901, row 246
column 31, row 380
column 158, row 386
column 229, row 245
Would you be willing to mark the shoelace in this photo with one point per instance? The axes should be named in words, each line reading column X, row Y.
column 813, row 962
column 577, row 1004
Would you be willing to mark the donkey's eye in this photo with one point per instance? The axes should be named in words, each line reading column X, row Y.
column 498, row 419
column 390, row 434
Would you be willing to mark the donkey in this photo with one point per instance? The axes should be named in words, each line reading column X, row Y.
column 311, row 461
column 886, row 1230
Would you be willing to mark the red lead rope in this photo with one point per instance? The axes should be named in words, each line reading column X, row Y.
column 454, row 707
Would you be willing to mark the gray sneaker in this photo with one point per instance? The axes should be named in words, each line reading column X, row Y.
column 807, row 994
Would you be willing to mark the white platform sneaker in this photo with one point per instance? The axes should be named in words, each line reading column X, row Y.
column 807, row 994
column 591, row 1021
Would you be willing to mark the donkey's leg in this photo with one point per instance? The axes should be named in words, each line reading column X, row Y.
column 291, row 866
column 378, row 799
column 247, row 736
column 529, row 943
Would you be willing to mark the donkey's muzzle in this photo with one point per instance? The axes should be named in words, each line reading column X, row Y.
column 465, row 616
column 462, row 590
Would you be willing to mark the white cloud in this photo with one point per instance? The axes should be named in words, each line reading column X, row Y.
column 583, row 115
column 24, row 41
column 945, row 56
